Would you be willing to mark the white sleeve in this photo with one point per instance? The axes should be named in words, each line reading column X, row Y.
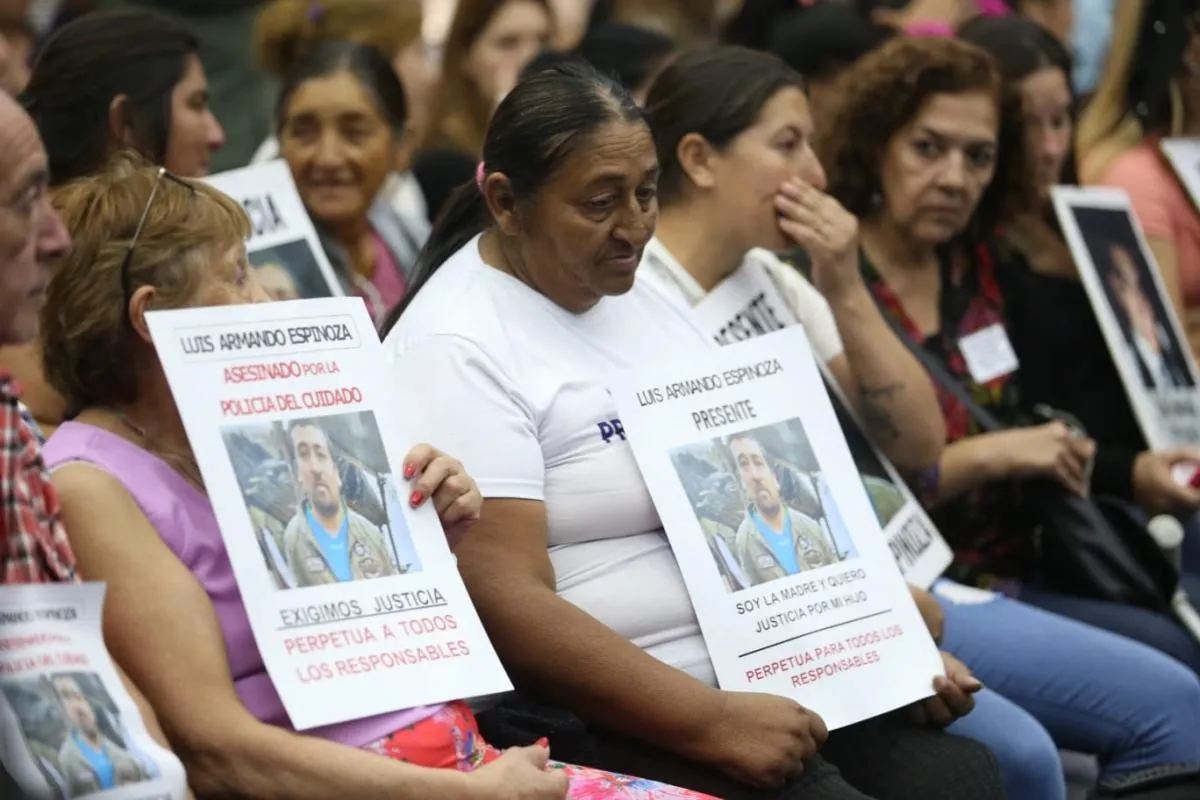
column 808, row 305
column 454, row 396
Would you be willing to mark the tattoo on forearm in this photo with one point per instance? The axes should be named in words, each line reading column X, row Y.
column 876, row 417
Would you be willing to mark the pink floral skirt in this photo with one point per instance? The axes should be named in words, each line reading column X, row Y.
column 450, row 740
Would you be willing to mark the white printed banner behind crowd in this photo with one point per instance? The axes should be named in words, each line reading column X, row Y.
column 285, row 253
column 1134, row 311
column 748, row 304
column 354, row 598
column 799, row 595
column 68, row 728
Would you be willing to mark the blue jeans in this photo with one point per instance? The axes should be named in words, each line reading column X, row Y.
column 1057, row 683
column 1158, row 631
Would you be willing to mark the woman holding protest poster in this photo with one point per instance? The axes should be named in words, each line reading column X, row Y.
column 140, row 520
column 711, row 154
column 527, row 300
column 931, row 172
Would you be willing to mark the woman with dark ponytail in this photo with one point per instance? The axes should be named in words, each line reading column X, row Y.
column 527, row 300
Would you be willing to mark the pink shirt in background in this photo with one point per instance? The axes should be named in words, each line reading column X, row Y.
column 386, row 287
column 1163, row 208
column 987, row 8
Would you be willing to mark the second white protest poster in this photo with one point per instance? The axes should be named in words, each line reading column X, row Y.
column 354, row 598
column 822, row 614
column 748, row 304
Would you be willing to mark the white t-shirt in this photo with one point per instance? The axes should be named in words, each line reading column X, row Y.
column 514, row 386
column 806, row 302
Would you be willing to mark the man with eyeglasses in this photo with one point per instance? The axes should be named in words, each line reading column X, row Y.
column 31, row 238
column 34, row 546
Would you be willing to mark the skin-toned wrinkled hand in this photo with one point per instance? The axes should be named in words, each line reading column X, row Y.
column 827, row 232
column 1155, row 487
column 456, row 498
column 953, row 699
column 519, row 774
column 1051, row 450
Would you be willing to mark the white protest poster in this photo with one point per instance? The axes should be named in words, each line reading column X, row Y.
column 748, row 304
column 354, row 598
column 823, row 615
column 1134, row 311
column 288, row 260
column 68, row 728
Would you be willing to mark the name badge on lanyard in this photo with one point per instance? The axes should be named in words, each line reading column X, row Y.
column 988, row 353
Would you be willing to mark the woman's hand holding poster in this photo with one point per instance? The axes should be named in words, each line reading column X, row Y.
column 68, row 728
column 748, row 304
column 354, row 597
column 793, row 583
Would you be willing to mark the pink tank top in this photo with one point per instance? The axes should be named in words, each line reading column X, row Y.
column 184, row 518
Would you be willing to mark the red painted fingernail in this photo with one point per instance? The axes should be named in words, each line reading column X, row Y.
column 543, row 742
column 409, row 470
column 416, row 498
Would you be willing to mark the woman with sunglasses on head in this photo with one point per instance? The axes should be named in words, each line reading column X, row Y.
column 138, row 516
column 112, row 80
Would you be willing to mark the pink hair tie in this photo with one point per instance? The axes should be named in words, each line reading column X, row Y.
column 480, row 175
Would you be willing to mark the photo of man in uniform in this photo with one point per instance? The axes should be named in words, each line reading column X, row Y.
column 89, row 761
column 326, row 541
column 773, row 540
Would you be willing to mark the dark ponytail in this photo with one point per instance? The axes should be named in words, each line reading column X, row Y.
column 540, row 124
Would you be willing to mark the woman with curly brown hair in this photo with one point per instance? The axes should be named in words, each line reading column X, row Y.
column 928, row 150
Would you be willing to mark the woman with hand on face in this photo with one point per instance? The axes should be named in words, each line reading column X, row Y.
column 112, row 80
column 529, row 300
column 925, row 147
column 720, row 152
column 135, row 508
column 341, row 121
column 1064, row 359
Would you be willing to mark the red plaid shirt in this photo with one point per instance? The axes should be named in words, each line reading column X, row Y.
column 34, row 546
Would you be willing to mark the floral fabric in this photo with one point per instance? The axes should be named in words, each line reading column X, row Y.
column 450, row 740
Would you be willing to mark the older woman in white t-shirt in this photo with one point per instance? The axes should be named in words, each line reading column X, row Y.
column 527, row 301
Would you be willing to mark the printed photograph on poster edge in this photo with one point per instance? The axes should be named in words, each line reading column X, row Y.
column 761, row 499
column 289, row 271
column 322, row 499
column 69, row 723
